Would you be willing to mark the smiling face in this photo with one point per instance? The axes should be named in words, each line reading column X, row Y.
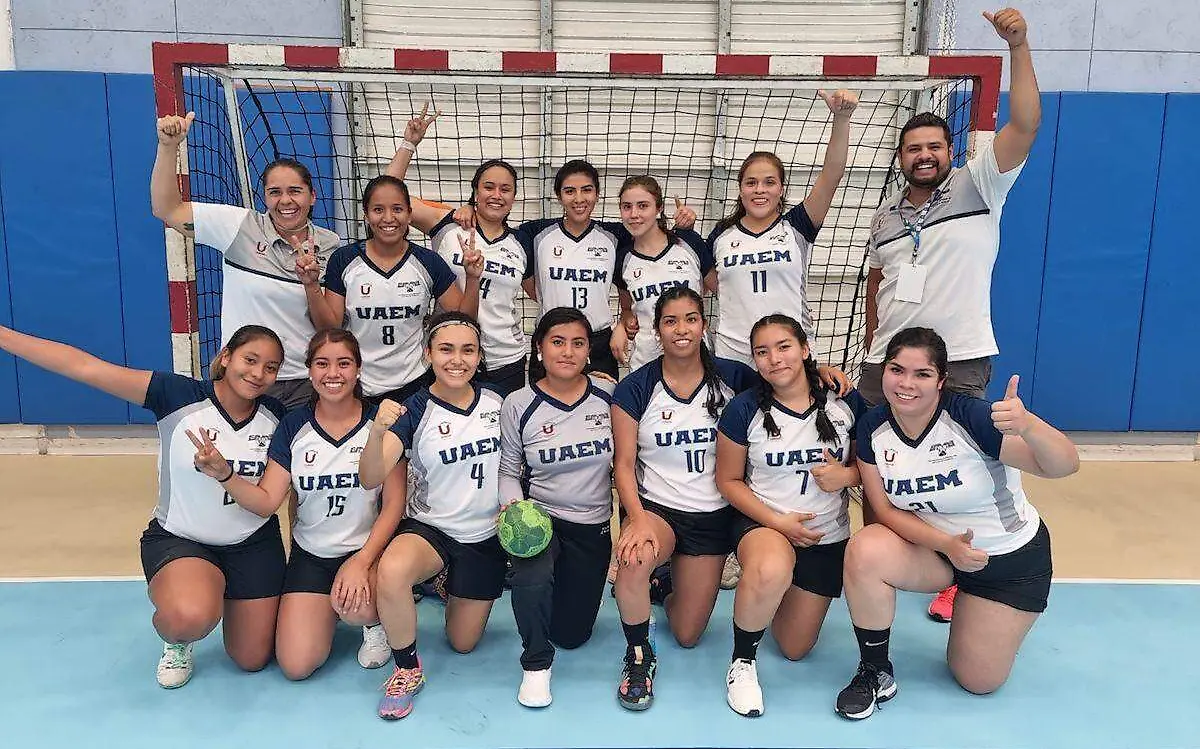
column 925, row 156
column 388, row 214
column 680, row 327
column 911, row 382
column 495, row 194
column 578, row 196
column 333, row 370
column 251, row 368
column 288, row 197
column 454, row 354
column 761, row 190
column 779, row 355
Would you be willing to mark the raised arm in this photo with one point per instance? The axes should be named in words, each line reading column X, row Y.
column 1031, row 444
column 166, row 202
column 841, row 103
column 383, row 449
column 1014, row 140
column 68, row 361
column 424, row 215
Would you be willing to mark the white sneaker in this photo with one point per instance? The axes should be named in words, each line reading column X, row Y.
column 743, row 693
column 535, row 689
column 175, row 665
column 731, row 573
column 374, row 651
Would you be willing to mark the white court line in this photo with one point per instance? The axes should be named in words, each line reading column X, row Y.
column 1067, row 580
column 108, row 579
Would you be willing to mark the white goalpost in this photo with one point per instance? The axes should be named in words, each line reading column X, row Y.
column 687, row 120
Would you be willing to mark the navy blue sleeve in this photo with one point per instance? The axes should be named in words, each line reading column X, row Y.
column 336, row 269
column 525, row 239
column 273, row 405
column 975, row 416
column 863, row 430
column 736, row 375
column 447, row 220
column 711, row 241
column 735, row 421
column 701, row 247
column 632, row 394
column 618, row 230
column 623, row 250
column 439, row 269
column 798, row 217
column 280, row 450
column 414, row 410
column 858, row 405
column 168, row 392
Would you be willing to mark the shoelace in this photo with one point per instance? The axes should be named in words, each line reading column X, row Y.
column 373, row 636
column 866, row 681
column 177, row 655
column 402, row 681
column 637, row 671
column 742, row 671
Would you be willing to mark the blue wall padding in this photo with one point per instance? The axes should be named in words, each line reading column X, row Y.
column 1017, row 279
column 1168, row 356
column 143, row 262
column 1101, row 207
column 61, row 235
column 10, row 406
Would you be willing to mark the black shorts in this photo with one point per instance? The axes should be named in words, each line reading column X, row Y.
column 1020, row 579
column 401, row 394
column 697, row 534
column 505, row 380
column 818, row 568
column 473, row 571
column 309, row 573
column 253, row 568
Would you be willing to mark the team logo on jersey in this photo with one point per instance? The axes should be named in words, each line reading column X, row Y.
column 667, row 413
column 637, row 273
column 678, row 265
column 261, row 248
column 558, row 251
column 735, row 244
column 598, row 253
column 779, row 238
column 596, row 421
column 889, row 456
column 310, row 457
column 365, row 289
column 444, row 428
column 491, row 417
column 548, row 428
column 355, row 450
column 211, row 434
column 408, row 288
column 942, row 448
column 260, row 440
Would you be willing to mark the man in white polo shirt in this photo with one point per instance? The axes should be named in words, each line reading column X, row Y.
column 933, row 245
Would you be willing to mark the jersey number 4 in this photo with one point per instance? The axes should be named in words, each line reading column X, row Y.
column 477, row 474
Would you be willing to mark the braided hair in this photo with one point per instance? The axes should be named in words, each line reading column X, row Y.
column 816, row 388
column 715, row 402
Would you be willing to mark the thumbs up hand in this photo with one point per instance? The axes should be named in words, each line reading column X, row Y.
column 833, row 475
column 685, row 217
column 964, row 556
column 1009, row 415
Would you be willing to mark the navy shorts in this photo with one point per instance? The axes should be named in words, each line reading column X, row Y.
column 818, row 568
column 253, row 568
column 697, row 534
column 309, row 573
column 473, row 571
column 1020, row 579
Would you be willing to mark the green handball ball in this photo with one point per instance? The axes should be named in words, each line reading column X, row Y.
column 524, row 529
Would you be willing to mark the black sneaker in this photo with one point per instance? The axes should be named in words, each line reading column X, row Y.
column 869, row 687
column 636, row 690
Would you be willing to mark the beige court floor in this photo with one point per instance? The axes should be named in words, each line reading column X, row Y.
column 64, row 515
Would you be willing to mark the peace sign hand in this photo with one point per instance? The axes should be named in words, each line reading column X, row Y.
column 173, row 129
column 414, row 132
column 308, row 265
column 1010, row 25
column 471, row 257
column 209, row 459
column 685, row 218
column 840, row 102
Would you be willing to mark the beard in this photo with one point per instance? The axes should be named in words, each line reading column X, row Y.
column 938, row 177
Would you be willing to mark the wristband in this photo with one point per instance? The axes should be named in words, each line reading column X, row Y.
column 222, row 481
column 408, row 145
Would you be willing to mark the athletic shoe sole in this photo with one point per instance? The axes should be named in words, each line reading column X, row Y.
column 398, row 716
column 880, row 698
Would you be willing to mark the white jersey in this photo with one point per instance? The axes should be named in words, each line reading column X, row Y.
column 559, row 454
column 952, row 477
column 572, row 271
column 505, row 265
column 682, row 263
column 760, row 274
column 677, row 437
column 259, row 276
column 334, row 514
column 190, row 504
column 454, row 456
column 960, row 239
column 779, row 469
column 386, row 310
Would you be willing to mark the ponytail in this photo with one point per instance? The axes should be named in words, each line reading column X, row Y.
column 765, row 396
column 712, row 380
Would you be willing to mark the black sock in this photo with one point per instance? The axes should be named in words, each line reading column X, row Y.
column 873, row 647
column 406, row 657
column 637, row 634
column 745, row 644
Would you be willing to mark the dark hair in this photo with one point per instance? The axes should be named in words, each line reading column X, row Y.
column 242, row 336
column 438, row 319
column 375, row 184
column 305, row 174
column 925, row 119
column 712, row 379
column 922, row 338
column 483, row 168
column 816, row 388
column 739, row 208
column 335, row 335
column 557, row 316
column 650, row 185
column 573, row 167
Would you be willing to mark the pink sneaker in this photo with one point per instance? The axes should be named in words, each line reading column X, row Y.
column 399, row 690
column 941, row 608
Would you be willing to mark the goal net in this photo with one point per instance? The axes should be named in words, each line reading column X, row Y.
column 686, row 120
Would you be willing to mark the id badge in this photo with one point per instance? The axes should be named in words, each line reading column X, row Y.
column 910, row 286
